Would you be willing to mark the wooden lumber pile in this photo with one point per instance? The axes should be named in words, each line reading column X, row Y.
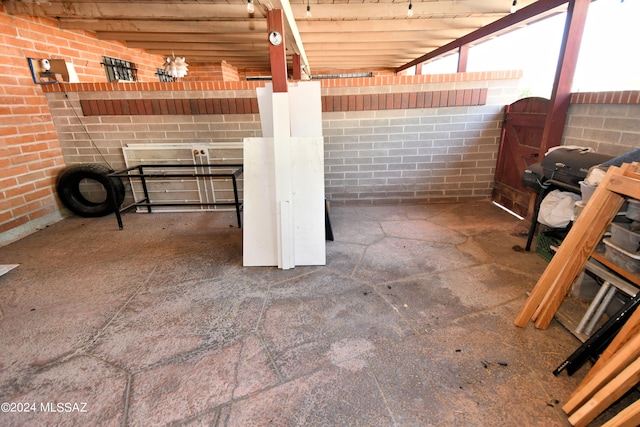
column 618, row 368
column 585, row 234
column 615, row 372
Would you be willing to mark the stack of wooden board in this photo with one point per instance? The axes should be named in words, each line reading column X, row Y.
column 618, row 368
column 554, row 284
column 615, row 372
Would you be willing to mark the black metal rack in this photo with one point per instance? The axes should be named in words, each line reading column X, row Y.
column 550, row 184
column 138, row 172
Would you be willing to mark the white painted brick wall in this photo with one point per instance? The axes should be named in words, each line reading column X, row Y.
column 612, row 129
column 383, row 156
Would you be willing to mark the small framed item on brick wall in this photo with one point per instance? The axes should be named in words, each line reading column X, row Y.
column 47, row 71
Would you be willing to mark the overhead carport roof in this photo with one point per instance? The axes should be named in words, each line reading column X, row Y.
column 339, row 35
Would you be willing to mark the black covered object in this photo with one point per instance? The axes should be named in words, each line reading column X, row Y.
column 533, row 176
column 570, row 165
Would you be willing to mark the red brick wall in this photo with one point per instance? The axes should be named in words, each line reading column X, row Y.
column 208, row 72
column 30, row 153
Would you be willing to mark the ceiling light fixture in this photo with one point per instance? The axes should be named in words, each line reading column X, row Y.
column 514, row 6
column 410, row 10
column 250, row 7
column 308, row 9
column 176, row 67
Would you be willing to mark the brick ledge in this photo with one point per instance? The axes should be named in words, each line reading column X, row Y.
column 621, row 97
column 248, row 85
column 366, row 102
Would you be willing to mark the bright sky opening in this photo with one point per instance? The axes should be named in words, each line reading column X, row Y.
column 608, row 59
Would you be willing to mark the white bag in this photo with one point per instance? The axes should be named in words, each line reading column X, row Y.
column 556, row 210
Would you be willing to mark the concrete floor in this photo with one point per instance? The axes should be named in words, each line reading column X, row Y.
column 410, row 323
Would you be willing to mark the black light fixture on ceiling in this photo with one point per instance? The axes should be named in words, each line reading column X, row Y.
column 410, row 10
column 250, row 7
column 514, row 6
column 308, row 9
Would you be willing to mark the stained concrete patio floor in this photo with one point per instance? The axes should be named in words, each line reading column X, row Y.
column 410, row 323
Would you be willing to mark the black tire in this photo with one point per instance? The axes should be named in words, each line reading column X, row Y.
column 68, row 188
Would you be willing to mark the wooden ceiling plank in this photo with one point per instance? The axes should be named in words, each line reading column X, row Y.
column 309, row 38
column 192, row 53
column 342, row 34
column 391, row 25
column 258, row 26
column 204, row 11
column 133, row 10
column 417, row 46
column 177, row 45
column 372, row 36
column 183, row 37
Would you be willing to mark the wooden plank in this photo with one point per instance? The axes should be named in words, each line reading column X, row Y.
column 607, row 395
column 630, row 329
column 625, row 185
column 628, row 417
column 583, row 231
column 631, row 277
column 604, row 209
column 586, row 236
column 625, row 356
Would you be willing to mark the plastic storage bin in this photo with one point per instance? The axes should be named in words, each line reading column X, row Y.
column 622, row 236
column 621, row 258
column 586, row 191
column 578, row 207
column 633, row 210
column 544, row 245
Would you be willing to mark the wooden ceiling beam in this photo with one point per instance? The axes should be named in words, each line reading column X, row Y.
column 349, row 33
column 398, row 10
column 212, row 53
column 535, row 11
column 183, row 37
column 160, row 10
column 308, row 38
column 337, row 52
column 391, row 25
column 213, row 47
column 363, row 48
column 181, row 10
column 259, row 26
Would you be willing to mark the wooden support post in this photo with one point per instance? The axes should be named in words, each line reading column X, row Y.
column 296, row 68
column 567, row 60
column 463, row 55
column 277, row 52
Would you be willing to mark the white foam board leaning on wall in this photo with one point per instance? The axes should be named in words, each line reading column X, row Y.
column 285, row 228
